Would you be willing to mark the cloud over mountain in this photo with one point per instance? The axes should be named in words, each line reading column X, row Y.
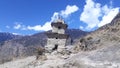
column 93, row 12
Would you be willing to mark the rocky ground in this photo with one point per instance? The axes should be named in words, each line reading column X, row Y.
column 20, row 63
column 107, row 57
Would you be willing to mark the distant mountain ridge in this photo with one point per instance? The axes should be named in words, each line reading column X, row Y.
column 76, row 33
column 4, row 36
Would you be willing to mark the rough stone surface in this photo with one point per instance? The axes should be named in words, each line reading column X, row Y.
column 57, row 38
column 53, row 41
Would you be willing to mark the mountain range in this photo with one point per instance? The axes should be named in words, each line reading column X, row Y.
column 17, row 46
column 4, row 36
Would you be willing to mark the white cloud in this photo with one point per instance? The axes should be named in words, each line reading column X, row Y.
column 111, row 3
column 45, row 27
column 7, row 26
column 93, row 11
column 90, row 14
column 65, row 13
column 17, row 26
column 108, row 17
column 55, row 16
column 69, row 10
column 16, row 33
column 81, row 27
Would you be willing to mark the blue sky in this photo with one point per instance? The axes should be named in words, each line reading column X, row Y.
column 33, row 16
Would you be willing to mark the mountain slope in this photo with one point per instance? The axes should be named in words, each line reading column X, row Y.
column 76, row 33
column 21, row 63
column 106, row 34
column 100, row 49
column 7, row 36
